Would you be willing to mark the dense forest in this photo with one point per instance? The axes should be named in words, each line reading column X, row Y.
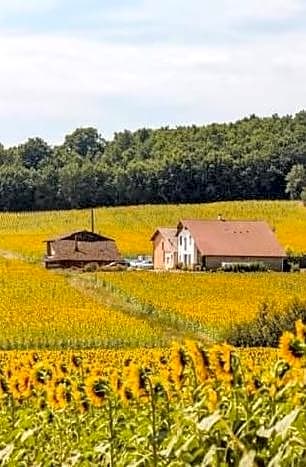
column 253, row 158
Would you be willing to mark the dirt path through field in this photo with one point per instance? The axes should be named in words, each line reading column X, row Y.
column 173, row 327
column 11, row 255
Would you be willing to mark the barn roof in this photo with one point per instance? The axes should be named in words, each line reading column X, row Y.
column 169, row 234
column 65, row 250
column 233, row 238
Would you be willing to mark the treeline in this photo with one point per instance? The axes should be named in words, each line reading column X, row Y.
column 254, row 158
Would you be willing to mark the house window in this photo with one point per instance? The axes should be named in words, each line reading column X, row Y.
column 181, row 241
column 190, row 240
column 185, row 243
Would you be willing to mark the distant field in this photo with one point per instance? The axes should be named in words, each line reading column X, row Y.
column 216, row 300
column 132, row 226
column 39, row 309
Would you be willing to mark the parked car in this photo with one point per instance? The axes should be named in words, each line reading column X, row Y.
column 145, row 264
column 141, row 263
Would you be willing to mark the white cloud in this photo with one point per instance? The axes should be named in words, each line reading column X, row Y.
column 74, row 81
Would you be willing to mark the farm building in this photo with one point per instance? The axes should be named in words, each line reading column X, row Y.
column 165, row 248
column 212, row 243
column 80, row 248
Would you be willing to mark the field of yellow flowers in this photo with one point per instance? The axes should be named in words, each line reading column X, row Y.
column 217, row 300
column 40, row 309
column 133, row 226
column 187, row 406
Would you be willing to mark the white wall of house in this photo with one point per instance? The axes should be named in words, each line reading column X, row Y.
column 187, row 250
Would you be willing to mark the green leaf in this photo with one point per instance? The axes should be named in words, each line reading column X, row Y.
column 5, row 453
column 247, row 459
column 281, row 427
column 26, row 434
column 208, row 422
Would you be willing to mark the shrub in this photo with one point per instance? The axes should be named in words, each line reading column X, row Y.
column 267, row 327
column 91, row 267
column 252, row 266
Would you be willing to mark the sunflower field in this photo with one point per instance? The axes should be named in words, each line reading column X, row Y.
column 40, row 309
column 132, row 226
column 213, row 300
column 188, row 406
column 130, row 369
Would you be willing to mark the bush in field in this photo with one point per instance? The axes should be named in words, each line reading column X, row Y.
column 255, row 266
column 91, row 267
column 267, row 327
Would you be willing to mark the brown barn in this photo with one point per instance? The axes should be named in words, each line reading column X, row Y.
column 80, row 248
column 164, row 248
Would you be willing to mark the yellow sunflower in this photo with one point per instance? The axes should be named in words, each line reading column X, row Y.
column 57, row 396
column 97, row 390
column 220, row 361
column 291, row 349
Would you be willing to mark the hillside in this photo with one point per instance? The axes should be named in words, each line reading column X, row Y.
column 133, row 226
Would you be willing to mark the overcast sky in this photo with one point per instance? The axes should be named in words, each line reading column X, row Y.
column 117, row 64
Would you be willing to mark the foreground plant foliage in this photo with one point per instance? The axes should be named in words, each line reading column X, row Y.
column 196, row 406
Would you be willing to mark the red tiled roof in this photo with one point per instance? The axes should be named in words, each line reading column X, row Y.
column 233, row 238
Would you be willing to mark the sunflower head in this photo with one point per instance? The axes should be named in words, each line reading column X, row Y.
column 291, row 349
column 220, row 357
column 97, row 390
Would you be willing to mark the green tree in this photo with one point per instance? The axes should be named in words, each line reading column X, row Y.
column 34, row 152
column 296, row 181
column 16, row 188
column 86, row 142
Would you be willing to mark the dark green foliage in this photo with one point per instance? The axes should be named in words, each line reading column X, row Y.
column 254, row 158
column 255, row 266
column 296, row 181
column 266, row 329
column 34, row 152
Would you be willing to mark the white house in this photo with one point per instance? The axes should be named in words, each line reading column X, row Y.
column 210, row 244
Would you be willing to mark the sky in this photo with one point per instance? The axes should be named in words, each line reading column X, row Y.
column 128, row 64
